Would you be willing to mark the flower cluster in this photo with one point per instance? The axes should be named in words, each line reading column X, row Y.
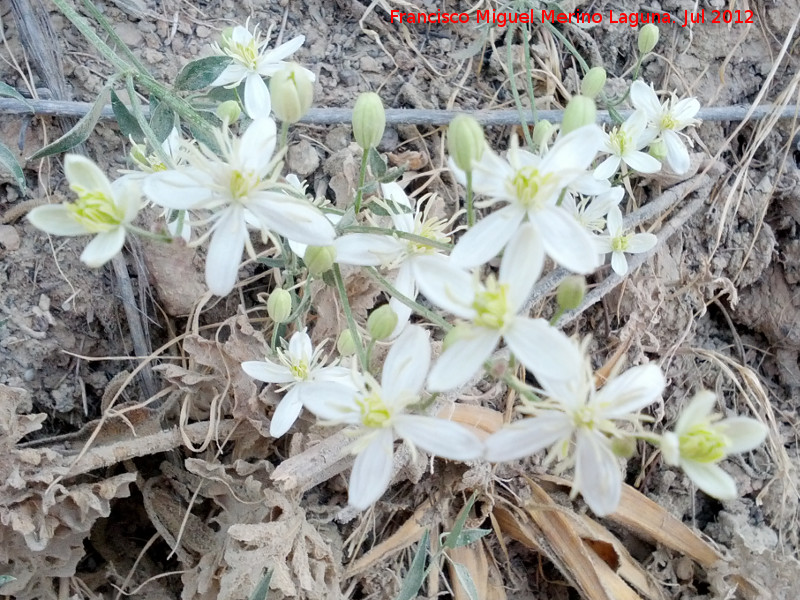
column 561, row 198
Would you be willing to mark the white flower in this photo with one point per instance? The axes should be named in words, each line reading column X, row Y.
column 575, row 410
column 491, row 309
column 591, row 212
column 102, row 208
column 297, row 368
column 701, row 440
column 252, row 61
column 618, row 242
column 665, row 120
column 241, row 190
column 369, row 249
column 624, row 143
column 532, row 185
column 379, row 412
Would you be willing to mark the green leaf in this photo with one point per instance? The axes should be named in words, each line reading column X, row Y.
column 469, row 536
column 376, row 163
column 273, row 262
column 392, row 174
column 10, row 92
column 162, row 120
column 458, row 526
column 387, row 208
column 202, row 136
column 416, row 574
column 9, row 163
column 78, row 134
column 465, row 578
column 221, row 94
column 4, row 579
column 128, row 126
column 262, row 590
column 201, row 73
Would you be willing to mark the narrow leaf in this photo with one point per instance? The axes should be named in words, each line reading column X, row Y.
column 9, row 163
column 466, row 581
column 376, row 163
column 78, row 134
column 469, row 536
column 392, row 174
column 10, row 92
column 458, row 526
column 416, row 574
column 261, row 591
column 162, row 121
column 128, row 126
column 201, row 73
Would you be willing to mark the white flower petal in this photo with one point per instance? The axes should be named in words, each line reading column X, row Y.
column 565, row 241
column 698, row 409
column 225, row 251
column 489, row 176
column 619, row 263
column 597, row 474
column 643, row 97
column 743, row 434
column 528, row 436
column 178, row 190
column 641, row 242
column 608, row 167
column 487, row 237
column 641, row 162
column 82, row 172
column 372, row 471
column 331, row 401
column 439, row 437
column 403, row 221
column 685, row 110
column 56, row 219
column 294, row 219
column 257, row 102
column 103, row 247
column 522, row 264
column 574, row 151
column 256, row 146
column 406, row 365
column 445, row 285
column 233, row 74
column 677, row 154
column 711, row 479
column 614, row 221
column 367, row 249
column 267, row 371
column 544, row 350
column 631, row 391
column 462, row 359
column 405, row 284
column 283, row 51
column 286, row 413
column 300, row 347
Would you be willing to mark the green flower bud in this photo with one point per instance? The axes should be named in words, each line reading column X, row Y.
column 226, row 38
column 319, row 259
column 369, row 120
column 465, row 141
column 658, row 149
column 279, row 305
column 345, row 344
column 459, row 332
column 229, row 111
column 381, row 322
column 579, row 112
column 542, row 132
column 571, row 292
column 292, row 92
column 624, row 447
column 593, row 82
column 648, row 38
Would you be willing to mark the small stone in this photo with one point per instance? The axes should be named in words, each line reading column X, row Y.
column 129, row 33
column 370, row 65
column 202, row 31
column 339, row 138
column 9, row 238
column 303, row 158
column 348, row 77
column 389, row 141
column 153, row 56
column 44, row 303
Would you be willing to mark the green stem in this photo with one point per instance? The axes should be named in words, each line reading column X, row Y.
column 470, row 206
column 351, row 322
column 528, row 69
column 413, row 305
column 513, row 83
column 572, row 50
column 109, row 29
column 362, row 174
column 160, row 237
column 413, row 237
column 149, row 134
column 275, row 333
column 557, row 316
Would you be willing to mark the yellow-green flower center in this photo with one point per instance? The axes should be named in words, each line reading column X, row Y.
column 703, row 443
column 620, row 140
column 620, row 243
column 95, row 211
column 432, row 229
column 668, row 121
column 527, row 185
column 299, row 370
column 491, row 304
column 241, row 184
column 246, row 54
column 374, row 412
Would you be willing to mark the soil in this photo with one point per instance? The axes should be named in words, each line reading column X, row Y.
column 718, row 307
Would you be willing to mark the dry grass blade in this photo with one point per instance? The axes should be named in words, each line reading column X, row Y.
column 473, row 560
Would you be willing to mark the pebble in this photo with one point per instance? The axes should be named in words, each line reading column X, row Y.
column 202, row 31
column 303, row 158
column 9, row 238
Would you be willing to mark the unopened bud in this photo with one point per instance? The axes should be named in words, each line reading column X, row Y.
column 579, row 112
column 648, row 38
column 292, row 91
column 465, row 141
column 658, row 150
column 593, row 82
column 279, row 305
column 345, row 344
column 542, row 132
column 381, row 322
column 319, row 259
column 623, row 447
column 229, row 111
column 369, row 120
column 571, row 292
